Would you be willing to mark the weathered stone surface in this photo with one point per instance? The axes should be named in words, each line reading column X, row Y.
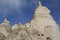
column 2, row 36
column 42, row 27
column 44, row 23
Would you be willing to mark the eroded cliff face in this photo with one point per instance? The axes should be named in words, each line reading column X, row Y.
column 43, row 20
column 29, row 33
column 42, row 27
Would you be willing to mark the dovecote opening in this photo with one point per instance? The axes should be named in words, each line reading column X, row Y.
column 42, row 34
column 38, row 34
column 48, row 38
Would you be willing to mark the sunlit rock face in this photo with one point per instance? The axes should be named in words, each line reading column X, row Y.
column 43, row 20
column 5, row 28
column 42, row 27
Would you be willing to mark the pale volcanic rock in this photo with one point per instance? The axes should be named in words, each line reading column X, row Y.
column 43, row 20
column 5, row 28
column 42, row 27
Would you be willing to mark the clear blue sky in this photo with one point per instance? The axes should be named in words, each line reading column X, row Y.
column 23, row 10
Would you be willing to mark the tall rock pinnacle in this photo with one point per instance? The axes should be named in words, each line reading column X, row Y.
column 41, row 9
column 43, row 20
column 5, row 21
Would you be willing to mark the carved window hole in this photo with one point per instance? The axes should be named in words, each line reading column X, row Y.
column 48, row 38
column 42, row 34
column 38, row 34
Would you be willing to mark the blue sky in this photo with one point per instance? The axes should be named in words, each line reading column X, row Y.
column 17, row 10
column 23, row 10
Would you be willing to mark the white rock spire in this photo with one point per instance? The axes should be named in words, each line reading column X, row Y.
column 41, row 9
column 6, row 21
column 43, row 20
column 40, row 4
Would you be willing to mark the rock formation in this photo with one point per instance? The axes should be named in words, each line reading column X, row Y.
column 5, row 28
column 45, row 23
column 42, row 27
